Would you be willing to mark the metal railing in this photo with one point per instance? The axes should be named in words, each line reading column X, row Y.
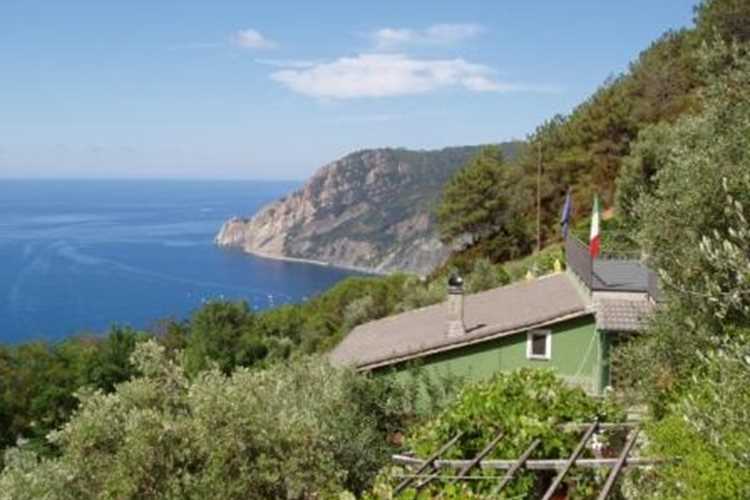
column 579, row 260
column 620, row 255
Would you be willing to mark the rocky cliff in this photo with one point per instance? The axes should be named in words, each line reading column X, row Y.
column 370, row 210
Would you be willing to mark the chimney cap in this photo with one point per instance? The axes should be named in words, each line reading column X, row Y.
column 455, row 281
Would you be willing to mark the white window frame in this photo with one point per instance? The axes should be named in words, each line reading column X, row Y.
column 548, row 345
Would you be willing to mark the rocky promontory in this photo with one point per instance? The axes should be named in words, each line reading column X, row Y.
column 371, row 210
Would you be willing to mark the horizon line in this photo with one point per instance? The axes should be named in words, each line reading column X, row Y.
column 178, row 179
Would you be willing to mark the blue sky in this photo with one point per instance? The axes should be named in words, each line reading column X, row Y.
column 274, row 89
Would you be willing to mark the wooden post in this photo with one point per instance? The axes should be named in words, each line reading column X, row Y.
column 427, row 463
column 612, row 478
column 512, row 471
column 576, row 453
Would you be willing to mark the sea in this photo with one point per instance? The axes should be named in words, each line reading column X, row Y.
column 78, row 256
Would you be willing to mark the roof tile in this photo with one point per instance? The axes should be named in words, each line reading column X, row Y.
column 621, row 314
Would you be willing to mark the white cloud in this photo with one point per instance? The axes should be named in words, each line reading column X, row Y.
column 287, row 63
column 450, row 33
column 383, row 75
column 438, row 34
column 252, row 39
column 392, row 37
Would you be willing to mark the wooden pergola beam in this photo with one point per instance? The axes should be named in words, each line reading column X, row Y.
column 516, row 466
column 573, row 426
column 576, row 453
column 562, row 466
column 427, row 463
column 615, row 472
column 536, row 464
column 486, row 451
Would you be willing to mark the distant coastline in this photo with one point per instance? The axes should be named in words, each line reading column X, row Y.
column 285, row 258
column 371, row 211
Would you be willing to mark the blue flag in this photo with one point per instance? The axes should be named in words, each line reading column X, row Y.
column 565, row 219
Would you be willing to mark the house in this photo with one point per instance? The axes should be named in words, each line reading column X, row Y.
column 569, row 321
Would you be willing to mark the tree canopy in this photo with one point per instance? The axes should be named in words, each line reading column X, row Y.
column 252, row 434
column 483, row 202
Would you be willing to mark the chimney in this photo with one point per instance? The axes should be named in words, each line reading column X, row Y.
column 456, row 326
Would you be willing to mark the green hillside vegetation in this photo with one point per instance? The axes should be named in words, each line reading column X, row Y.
column 587, row 149
column 218, row 404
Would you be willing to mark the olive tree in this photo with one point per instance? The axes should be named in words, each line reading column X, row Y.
column 293, row 430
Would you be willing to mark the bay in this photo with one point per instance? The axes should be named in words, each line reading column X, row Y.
column 81, row 255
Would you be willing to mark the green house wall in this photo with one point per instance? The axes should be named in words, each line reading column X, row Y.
column 578, row 355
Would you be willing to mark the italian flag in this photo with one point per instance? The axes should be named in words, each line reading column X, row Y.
column 595, row 239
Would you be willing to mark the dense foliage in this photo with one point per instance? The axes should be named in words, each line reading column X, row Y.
column 480, row 203
column 37, row 380
column 527, row 404
column 704, row 173
column 290, row 431
column 707, row 429
column 690, row 214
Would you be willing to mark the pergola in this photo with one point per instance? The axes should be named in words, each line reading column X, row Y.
column 434, row 468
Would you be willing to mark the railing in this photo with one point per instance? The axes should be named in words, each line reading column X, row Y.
column 579, row 260
column 622, row 255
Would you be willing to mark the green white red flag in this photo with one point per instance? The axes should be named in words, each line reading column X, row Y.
column 595, row 244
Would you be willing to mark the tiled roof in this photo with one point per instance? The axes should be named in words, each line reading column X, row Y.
column 622, row 314
column 490, row 314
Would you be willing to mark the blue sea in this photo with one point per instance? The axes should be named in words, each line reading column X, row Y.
column 77, row 256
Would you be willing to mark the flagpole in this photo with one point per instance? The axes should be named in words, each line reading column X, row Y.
column 539, row 199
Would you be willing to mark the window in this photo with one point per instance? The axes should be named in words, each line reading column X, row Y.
column 539, row 344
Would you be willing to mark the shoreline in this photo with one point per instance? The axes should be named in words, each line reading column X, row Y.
column 301, row 260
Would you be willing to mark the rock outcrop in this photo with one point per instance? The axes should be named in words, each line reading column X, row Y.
column 370, row 210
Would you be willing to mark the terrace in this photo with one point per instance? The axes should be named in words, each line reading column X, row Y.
column 624, row 273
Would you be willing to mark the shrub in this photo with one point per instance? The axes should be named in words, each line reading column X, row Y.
column 485, row 276
column 701, row 472
column 418, row 293
column 707, row 430
column 359, row 311
column 290, row 431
